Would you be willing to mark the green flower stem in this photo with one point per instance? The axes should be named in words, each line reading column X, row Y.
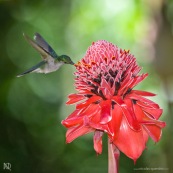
column 113, row 158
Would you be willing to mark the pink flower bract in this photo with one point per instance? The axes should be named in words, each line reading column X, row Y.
column 105, row 79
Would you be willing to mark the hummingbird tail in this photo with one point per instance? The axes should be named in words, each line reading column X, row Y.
column 32, row 69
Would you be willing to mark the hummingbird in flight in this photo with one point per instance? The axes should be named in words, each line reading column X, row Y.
column 51, row 61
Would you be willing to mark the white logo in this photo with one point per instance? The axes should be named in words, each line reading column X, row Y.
column 7, row 166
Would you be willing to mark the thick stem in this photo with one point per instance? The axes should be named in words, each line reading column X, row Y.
column 113, row 157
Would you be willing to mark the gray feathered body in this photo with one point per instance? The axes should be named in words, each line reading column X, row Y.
column 50, row 66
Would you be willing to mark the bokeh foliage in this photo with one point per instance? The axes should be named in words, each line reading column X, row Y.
column 31, row 107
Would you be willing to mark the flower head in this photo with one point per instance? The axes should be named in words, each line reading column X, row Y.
column 105, row 79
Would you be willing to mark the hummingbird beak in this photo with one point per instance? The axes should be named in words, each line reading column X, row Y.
column 72, row 63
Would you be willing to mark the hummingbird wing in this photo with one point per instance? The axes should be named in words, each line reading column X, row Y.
column 36, row 46
column 42, row 43
column 35, row 68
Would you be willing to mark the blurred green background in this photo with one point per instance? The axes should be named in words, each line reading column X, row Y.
column 32, row 138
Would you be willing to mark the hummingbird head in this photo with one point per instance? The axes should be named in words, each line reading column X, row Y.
column 66, row 59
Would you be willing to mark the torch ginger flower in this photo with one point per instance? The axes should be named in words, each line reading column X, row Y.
column 105, row 79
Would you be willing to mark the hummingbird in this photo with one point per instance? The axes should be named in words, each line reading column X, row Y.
column 51, row 61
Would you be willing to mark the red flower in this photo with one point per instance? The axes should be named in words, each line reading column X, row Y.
column 105, row 79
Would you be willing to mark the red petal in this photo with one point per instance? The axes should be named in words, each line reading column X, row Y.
column 75, row 132
column 73, row 98
column 154, row 131
column 106, row 89
column 130, row 115
column 130, row 142
column 137, row 80
column 140, row 98
column 125, row 84
column 105, row 112
column 72, row 121
column 145, row 105
column 75, row 113
column 160, row 124
column 139, row 113
column 156, row 113
column 85, row 91
column 95, row 123
column 144, row 119
column 89, row 101
column 136, row 70
column 98, row 141
column 142, row 93
column 118, row 100
column 114, row 124
column 91, row 110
